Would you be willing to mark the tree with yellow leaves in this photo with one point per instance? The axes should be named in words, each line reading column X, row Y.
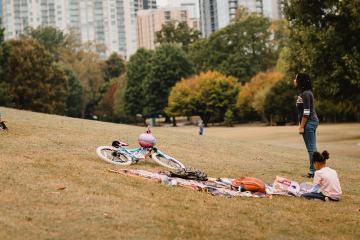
column 251, row 98
column 208, row 95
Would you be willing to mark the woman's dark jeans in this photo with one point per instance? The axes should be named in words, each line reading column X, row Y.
column 310, row 141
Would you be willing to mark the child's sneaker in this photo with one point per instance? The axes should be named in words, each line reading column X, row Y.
column 327, row 199
column 310, row 175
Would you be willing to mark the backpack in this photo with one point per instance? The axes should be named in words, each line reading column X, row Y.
column 249, row 184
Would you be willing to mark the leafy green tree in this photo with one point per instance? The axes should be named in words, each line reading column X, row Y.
column 2, row 30
column 34, row 81
column 105, row 107
column 177, row 32
column 137, row 70
column 325, row 42
column 119, row 101
column 114, row 66
column 198, row 55
column 75, row 100
column 243, row 13
column 88, row 66
column 51, row 38
column 282, row 64
column 280, row 35
column 229, row 117
column 168, row 66
column 5, row 96
column 209, row 95
column 252, row 95
column 241, row 49
column 279, row 105
column 330, row 111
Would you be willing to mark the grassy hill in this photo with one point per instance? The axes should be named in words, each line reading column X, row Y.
column 41, row 154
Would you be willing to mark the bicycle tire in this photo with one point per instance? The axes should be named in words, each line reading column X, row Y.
column 120, row 159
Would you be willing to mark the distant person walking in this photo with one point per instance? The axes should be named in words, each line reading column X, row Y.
column 308, row 120
column 201, row 128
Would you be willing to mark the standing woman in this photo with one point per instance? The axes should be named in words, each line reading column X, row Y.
column 308, row 120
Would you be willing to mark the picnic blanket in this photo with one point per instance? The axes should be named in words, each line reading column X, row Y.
column 215, row 187
column 220, row 186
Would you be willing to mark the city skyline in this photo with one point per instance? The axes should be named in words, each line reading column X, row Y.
column 108, row 22
column 116, row 24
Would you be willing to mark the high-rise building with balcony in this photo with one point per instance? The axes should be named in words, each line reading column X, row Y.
column 108, row 22
column 192, row 7
column 216, row 14
column 151, row 21
column 268, row 8
column 253, row 5
column 148, row 4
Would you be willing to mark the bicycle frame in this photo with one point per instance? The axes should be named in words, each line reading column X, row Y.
column 136, row 153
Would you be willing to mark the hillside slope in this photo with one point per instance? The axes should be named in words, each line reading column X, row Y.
column 42, row 154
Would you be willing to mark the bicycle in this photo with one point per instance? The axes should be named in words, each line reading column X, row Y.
column 119, row 154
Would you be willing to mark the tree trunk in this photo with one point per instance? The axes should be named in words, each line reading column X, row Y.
column 167, row 119
column 174, row 121
column 205, row 120
column 144, row 121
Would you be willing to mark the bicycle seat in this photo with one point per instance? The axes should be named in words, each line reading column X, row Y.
column 118, row 144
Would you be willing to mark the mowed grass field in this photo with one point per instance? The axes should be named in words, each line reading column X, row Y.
column 53, row 186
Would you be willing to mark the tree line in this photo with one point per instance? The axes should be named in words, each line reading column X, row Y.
column 241, row 73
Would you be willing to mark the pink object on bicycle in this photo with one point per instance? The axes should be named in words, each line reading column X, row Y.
column 147, row 140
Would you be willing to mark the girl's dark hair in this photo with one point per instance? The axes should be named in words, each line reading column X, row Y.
column 303, row 81
column 321, row 158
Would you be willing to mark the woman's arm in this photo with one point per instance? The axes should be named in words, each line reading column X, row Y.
column 302, row 124
column 306, row 113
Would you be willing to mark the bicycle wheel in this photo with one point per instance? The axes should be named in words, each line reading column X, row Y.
column 107, row 153
column 166, row 161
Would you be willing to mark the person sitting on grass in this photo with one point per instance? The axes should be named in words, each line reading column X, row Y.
column 2, row 125
column 326, row 182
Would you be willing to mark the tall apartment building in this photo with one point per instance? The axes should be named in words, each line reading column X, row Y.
column 144, row 4
column 192, row 7
column 150, row 21
column 148, row 4
column 268, row 8
column 253, row 5
column 216, row 14
column 108, row 22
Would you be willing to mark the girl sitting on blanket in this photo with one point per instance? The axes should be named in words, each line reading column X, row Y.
column 326, row 182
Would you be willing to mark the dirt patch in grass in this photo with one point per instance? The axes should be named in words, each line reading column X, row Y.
column 42, row 154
